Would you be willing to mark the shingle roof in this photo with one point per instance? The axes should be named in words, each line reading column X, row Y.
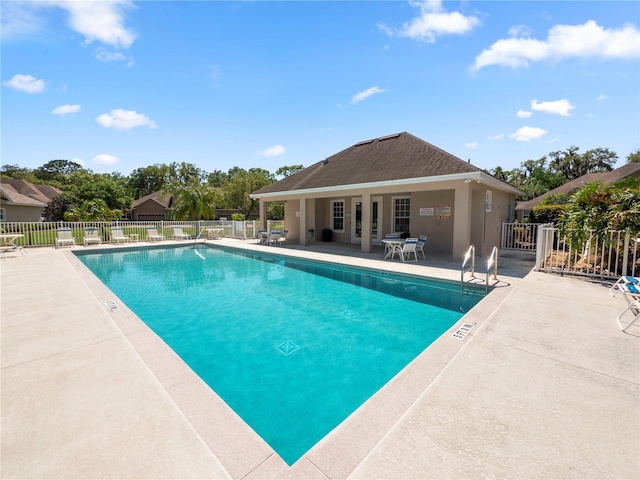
column 605, row 178
column 158, row 197
column 394, row 157
column 21, row 192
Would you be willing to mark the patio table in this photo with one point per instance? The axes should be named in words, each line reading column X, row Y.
column 391, row 245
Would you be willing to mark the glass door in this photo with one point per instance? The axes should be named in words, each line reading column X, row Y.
column 376, row 219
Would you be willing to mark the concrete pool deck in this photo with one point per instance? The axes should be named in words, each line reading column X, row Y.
column 545, row 385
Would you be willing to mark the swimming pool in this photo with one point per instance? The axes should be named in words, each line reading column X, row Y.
column 293, row 346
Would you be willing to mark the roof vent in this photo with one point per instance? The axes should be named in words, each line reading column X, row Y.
column 363, row 143
column 388, row 137
column 325, row 161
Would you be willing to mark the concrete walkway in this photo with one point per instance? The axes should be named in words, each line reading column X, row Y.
column 544, row 386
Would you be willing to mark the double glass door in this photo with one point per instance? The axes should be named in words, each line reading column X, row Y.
column 376, row 220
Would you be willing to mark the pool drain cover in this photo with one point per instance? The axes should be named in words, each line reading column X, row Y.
column 463, row 330
column 349, row 313
column 287, row 347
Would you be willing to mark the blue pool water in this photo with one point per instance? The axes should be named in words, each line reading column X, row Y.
column 294, row 347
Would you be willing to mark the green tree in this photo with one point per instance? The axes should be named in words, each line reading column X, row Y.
column 242, row 184
column 93, row 211
column 195, row 201
column 57, row 207
column 17, row 172
column 57, row 172
column 288, row 170
column 571, row 165
column 87, row 186
column 146, row 180
column 634, row 157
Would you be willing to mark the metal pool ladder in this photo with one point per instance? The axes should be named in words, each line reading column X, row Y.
column 471, row 254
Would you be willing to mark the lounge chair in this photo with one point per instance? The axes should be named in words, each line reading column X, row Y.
column 634, row 308
column 179, row 234
column 624, row 280
column 152, row 234
column 65, row 237
column 117, row 235
column 91, row 236
column 422, row 239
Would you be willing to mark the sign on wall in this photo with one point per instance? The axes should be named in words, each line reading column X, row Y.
column 427, row 211
column 443, row 212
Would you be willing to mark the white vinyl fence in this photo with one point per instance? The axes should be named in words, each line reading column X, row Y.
column 613, row 257
column 43, row 234
column 519, row 236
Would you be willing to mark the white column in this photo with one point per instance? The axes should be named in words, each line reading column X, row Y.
column 461, row 220
column 263, row 214
column 365, row 232
column 303, row 222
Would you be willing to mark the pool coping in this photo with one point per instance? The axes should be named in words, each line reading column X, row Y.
column 239, row 449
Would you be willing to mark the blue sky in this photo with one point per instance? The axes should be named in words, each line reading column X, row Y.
column 119, row 85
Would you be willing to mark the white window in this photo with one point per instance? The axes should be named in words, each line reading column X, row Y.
column 401, row 214
column 337, row 215
column 2, row 217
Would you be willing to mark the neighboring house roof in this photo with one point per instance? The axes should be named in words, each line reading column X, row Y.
column 21, row 192
column 391, row 158
column 157, row 197
column 605, row 178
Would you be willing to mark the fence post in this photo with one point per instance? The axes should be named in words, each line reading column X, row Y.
column 625, row 254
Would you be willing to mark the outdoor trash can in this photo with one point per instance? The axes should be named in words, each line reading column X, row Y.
column 327, row 235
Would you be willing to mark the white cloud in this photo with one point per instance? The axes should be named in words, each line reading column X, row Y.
column 471, row 145
column 106, row 56
column 79, row 161
column 602, row 97
column 124, row 120
column 500, row 136
column 525, row 134
column 432, row 22
column 519, row 31
column 366, row 93
column 564, row 41
column 104, row 159
column 26, row 83
column 274, row 151
column 65, row 109
column 524, row 113
column 19, row 19
column 559, row 107
column 101, row 21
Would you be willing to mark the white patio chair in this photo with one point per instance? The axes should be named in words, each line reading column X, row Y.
column 422, row 239
column 283, row 237
column 624, row 280
column 408, row 248
column 152, row 234
column 65, row 237
column 274, row 237
column 91, row 236
column 179, row 234
column 117, row 235
column 634, row 308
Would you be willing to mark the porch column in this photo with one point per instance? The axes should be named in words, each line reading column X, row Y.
column 303, row 222
column 461, row 221
column 263, row 214
column 365, row 232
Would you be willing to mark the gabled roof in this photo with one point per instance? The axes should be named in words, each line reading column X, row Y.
column 20, row 192
column 605, row 178
column 157, row 197
column 394, row 157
